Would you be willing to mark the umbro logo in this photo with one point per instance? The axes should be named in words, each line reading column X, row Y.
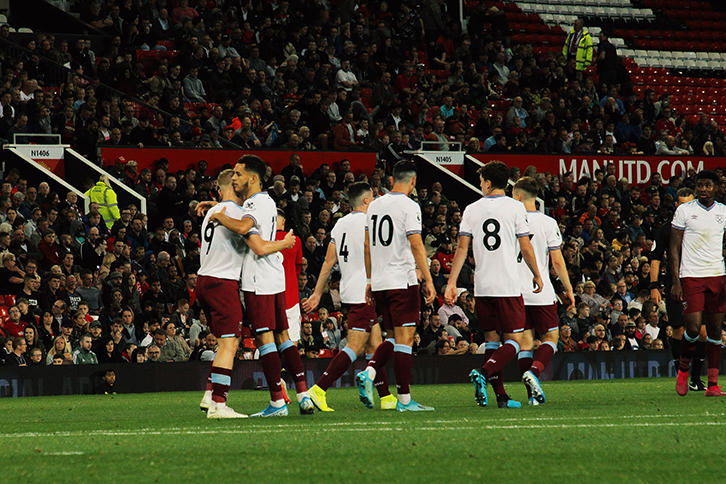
column 719, row 219
column 694, row 217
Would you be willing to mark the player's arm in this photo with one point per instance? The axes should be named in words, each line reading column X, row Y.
column 674, row 259
column 261, row 246
column 202, row 207
column 241, row 226
column 367, row 260
column 331, row 257
column 459, row 258
column 558, row 262
column 525, row 246
column 654, row 273
column 419, row 254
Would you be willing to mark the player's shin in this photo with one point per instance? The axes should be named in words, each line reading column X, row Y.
column 337, row 367
column 402, row 369
column 543, row 356
column 382, row 355
column 501, row 357
column 381, row 381
column 271, row 367
column 713, row 356
column 293, row 363
column 687, row 349
column 524, row 358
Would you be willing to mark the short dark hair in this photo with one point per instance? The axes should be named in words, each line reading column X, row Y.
column 496, row 172
column 356, row 191
column 527, row 185
column 403, row 171
column 254, row 164
column 708, row 175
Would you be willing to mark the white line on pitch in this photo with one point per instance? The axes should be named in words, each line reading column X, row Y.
column 290, row 429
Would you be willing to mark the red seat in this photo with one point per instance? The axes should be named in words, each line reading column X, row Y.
column 3, row 313
column 10, row 300
column 325, row 354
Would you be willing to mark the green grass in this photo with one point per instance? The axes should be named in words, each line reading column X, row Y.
column 589, row 431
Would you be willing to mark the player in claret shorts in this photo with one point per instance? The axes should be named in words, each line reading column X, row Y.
column 263, row 286
column 699, row 276
column 221, row 260
column 496, row 226
column 393, row 250
column 540, row 308
column 347, row 249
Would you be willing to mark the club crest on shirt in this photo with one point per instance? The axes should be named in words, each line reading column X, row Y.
column 719, row 219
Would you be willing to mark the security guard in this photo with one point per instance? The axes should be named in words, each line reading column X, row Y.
column 103, row 194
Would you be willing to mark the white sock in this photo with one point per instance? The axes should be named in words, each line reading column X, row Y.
column 371, row 372
column 208, row 394
column 301, row 395
column 404, row 398
column 277, row 403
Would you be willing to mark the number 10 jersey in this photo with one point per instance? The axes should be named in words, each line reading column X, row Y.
column 390, row 220
column 494, row 224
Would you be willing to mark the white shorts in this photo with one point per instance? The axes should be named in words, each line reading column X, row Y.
column 293, row 322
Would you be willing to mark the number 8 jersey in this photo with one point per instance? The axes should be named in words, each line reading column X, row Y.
column 390, row 220
column 494, row 224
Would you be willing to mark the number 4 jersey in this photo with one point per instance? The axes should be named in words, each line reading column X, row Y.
column 494, row 224
column 390, row 220
column 222, row 250
column 348, row 237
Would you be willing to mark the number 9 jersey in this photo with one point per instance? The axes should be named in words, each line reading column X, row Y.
column 390, row 220
column 222, row 250
column 494, row 224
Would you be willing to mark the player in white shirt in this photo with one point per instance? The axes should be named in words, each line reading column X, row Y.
column 699, row 276
column 496, row 227
column 221, row 260
column 540, row 308
column 263, row 286
column 347, row 249
column 393, row 250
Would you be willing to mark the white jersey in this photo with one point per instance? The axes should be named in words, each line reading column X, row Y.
column 544, row 234
column 494, row 223
column 348, row 235
column 389, row 221
column 703, row 231
column 262, row 274
column 222, row 251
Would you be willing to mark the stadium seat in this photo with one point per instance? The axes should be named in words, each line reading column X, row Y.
column 10, row 300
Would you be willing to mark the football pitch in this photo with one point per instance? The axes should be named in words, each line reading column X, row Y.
column 588, row 431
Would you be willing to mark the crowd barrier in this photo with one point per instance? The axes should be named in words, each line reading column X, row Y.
column 427, row 370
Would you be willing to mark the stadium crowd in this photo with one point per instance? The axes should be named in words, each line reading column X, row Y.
column 381, row 76
column 115, row 284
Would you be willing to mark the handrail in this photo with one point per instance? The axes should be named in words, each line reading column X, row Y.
column 57, row 69
column 117, row 184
